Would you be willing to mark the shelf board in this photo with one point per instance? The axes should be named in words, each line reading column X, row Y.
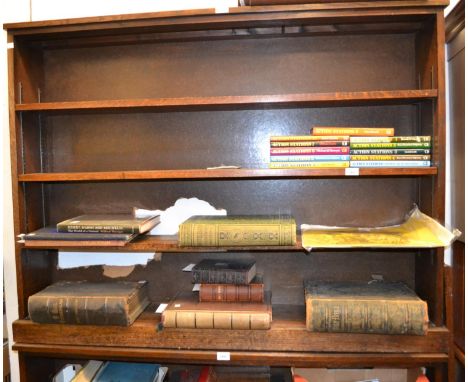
column 288, row 332
column 219, row 174
column 238, row 102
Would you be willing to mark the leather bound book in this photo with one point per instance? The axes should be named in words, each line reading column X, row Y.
column 237, row 272
column 253, row 292
column 378, row 307
column 82, row 302
column 188, row 313
column 235, row 231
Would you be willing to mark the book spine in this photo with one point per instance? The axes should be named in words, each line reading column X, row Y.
column 310, row 144
column 366, row 316
column 390, row 163
column 308, row 158
column 78, row 310
column 317, row 164
column 216, row 320
column 354, row 131
column 390, row 157
column 290, row 138
column 400, row 145
column 76, row 228
column 215, row 276
column 237, row 234
column 231, row 293
column 390, row 151
column 310, row 151
column 413, row 139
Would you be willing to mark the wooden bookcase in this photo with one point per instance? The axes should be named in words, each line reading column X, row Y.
column 109, row 113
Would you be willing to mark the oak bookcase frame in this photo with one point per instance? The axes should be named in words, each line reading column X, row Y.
column 83, row 94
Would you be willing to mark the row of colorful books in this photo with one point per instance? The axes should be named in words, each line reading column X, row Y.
column 378, row 307
column 341, row 147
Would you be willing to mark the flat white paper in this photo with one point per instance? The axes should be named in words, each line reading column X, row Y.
column 161, row 308
column 223, row 356
column 188, row 268
column 67, row 259
column 196, row 288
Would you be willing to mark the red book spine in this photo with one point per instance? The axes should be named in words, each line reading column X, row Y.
column 231, row 293
column 309, row 151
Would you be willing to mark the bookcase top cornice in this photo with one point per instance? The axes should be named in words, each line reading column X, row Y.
column 240, row 16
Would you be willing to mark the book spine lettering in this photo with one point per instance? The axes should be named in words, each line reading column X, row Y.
column 309, row 144
column 391, row 163
column 379, row 317
column 225, row 235
column 306, row 158
column 402, row 145
column 231, row 293
column 78, row 310
column 412, row 139
column 310, row 151
column 390, row 157
column 354, row 131
column 317, row 164
column 390, row 152
column 96, row 229
column 216, row 320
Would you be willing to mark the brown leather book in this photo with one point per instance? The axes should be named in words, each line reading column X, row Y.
column 360, row 307
column 188, row 313
column 82, row 302
column 210, row 271
column 253, row 292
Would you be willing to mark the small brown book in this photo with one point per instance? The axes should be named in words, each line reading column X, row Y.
column 82, row 302
column 188, row 313
column 253, row 292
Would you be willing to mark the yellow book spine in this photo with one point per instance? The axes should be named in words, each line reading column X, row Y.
column 390, row 157
column 289, row 138
column 337, row 164
column 354, row 131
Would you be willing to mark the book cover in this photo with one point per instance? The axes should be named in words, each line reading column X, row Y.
column 310, row 151
column 390, row 163
column 289, row 138
column 188, row 313
column 237, row 230
column 390, row 151
column 397, row 145
column 252, row 292
column 113, row 371
column 354, row 131
column 233, row 271
column 308, row 158
column 413, row 139
column 361, row 307
column 335, row 164
column 309, row 144
column 49, row 236
column 390, row 157
column 108, row 223
column 88, row 303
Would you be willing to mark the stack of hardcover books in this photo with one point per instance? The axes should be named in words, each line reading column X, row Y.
column 378, row 147
column 231, row 296
column 309, row 151
column 91, row 231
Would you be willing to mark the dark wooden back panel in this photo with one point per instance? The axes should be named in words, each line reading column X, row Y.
column 231, row 67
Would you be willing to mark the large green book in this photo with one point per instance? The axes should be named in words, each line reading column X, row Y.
column 361, row 307
column 231, row 231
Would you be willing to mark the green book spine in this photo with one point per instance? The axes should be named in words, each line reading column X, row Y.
column 398, row 145
column 231, row 233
